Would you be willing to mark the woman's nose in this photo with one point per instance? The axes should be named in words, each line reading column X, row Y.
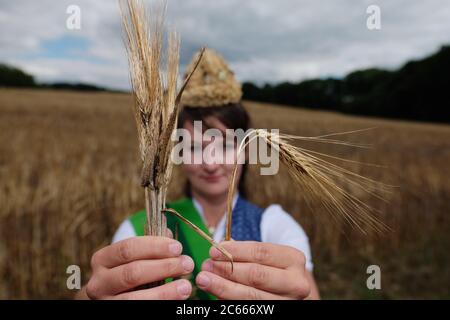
column 209, row 163
column 211, row 167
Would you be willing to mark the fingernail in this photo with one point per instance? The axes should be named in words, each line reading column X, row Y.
column 183, row 288
column 214, row 253
column 203, row 280
column 207, row 266
column 175, row 248
column 188, row 263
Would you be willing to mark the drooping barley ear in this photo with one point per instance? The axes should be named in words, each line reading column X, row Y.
column 321, row 181
column 156, row 100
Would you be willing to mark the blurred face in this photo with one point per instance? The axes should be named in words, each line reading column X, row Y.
column 210, row 178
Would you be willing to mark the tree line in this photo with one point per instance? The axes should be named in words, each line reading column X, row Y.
column 13, row 77
column 420, row 90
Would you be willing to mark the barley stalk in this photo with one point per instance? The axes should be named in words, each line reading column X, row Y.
column 320, row 180
column 153, row 98
column 202, row 234
column 156, row 105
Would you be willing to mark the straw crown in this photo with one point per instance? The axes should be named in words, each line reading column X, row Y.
column 213, row 84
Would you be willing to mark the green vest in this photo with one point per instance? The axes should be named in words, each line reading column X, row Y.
column 193, row 245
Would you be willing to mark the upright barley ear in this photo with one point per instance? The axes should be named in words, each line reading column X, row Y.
column 321, row 181
column 144, row 38
column 156, row 105
column 156, row 100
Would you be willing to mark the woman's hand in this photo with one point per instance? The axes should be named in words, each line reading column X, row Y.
column 261, row 271
column 118, row 269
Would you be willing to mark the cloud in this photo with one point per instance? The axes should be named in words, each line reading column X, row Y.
column 264, row 40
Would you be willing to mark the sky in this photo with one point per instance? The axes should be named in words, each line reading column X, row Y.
column 264, row 41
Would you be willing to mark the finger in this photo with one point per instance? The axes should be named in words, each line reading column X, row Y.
column 225, row 289
column 176, row 290
column 136, row 248
column 259, row 252
column 134, row 274
column 169, row 233
column 266, row 278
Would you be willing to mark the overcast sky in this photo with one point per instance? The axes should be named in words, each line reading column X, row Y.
column 264, row 40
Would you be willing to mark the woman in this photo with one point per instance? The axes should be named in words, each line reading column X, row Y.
column 271, row 253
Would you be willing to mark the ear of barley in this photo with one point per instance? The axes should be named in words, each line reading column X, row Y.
column 144, row 38
column 321, row 181
column 156, row 106
column 156, row 101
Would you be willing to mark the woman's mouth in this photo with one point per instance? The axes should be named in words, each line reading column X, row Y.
column 212, row 179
